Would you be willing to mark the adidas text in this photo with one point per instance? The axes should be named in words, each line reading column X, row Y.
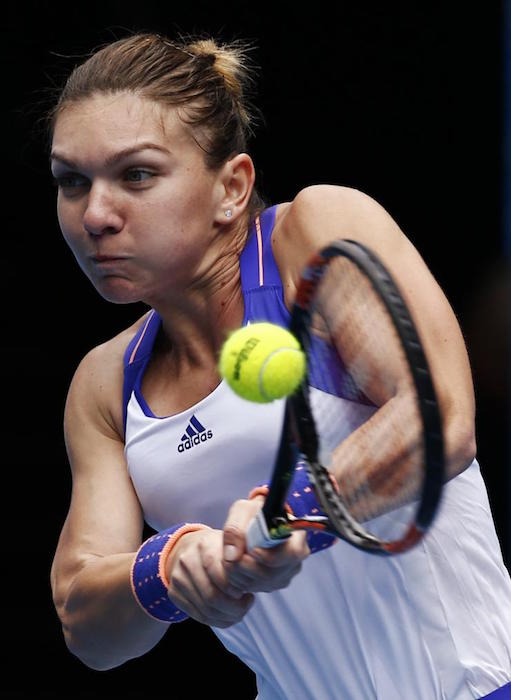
column 195, row 440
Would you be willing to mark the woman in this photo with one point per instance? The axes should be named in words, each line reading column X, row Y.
column 156, row 199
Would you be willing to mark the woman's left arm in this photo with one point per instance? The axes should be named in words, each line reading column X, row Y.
column 321, row 214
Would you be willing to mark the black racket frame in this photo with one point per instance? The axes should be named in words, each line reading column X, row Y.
column 299, row 434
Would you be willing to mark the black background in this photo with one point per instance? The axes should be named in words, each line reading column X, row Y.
column 400, row 100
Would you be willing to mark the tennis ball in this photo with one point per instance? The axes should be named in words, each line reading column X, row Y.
column 262, row 362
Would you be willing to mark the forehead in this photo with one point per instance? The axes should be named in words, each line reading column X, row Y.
column 117, row 121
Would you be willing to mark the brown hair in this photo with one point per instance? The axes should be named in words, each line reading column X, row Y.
column 206, row 80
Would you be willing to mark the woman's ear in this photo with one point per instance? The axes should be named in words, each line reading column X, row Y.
column 237, row 178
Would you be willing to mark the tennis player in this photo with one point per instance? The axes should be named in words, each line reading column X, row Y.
column 156, row 199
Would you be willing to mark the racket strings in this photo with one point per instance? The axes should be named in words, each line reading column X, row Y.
column 377, row 455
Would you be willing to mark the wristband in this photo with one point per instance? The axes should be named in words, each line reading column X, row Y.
column 148, row 578
column 301, row 500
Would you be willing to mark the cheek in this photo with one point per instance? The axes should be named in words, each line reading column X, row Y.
column 169, row 258
column 177, row 228
column 172, row 251
column 66, row 224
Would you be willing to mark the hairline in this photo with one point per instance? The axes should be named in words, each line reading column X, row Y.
column 193, row 131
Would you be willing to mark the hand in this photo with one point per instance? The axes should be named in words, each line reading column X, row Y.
column 198, row 581
column 262, row 570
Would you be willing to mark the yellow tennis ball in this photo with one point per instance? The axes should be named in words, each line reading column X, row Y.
column 262, row 362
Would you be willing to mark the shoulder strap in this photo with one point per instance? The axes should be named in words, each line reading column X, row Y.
column 137, row 356
column 257, row 264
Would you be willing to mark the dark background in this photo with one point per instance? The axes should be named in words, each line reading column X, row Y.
column 401, row 100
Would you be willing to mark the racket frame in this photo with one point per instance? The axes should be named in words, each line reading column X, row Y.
column 299, row 436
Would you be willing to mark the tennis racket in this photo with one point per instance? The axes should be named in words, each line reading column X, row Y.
column 366, row 411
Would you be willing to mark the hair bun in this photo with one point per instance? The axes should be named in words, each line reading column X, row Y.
column 227, row 61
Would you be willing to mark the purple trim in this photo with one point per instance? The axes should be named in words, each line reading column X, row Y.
column 270, row 269
column 137, row 388
column 249, row 259
column 262, row 303
column 503, row 693
column 249, row 267
column 265, row 304
column 329, row 374
column 133, row 372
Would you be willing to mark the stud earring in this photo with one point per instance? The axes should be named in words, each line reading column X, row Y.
column 228, row 213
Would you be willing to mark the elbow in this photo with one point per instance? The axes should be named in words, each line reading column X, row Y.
column 92, row 657
column 75, row 643
column 86, row 647
column 82, row 655
column 97, row 665
column 71, row 631
column 460, row 445
column 94, row 645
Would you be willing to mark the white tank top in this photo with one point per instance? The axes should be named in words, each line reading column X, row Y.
column 433, row 624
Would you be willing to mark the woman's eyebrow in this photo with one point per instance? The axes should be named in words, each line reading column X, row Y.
column 113, row 158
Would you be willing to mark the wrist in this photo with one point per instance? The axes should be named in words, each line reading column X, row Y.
column 184, row 538
column 149, row 580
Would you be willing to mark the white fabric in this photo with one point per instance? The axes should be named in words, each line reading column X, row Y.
column 433, row 624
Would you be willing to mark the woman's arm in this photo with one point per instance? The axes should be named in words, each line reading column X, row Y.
column 102, row 622
column 321, row 214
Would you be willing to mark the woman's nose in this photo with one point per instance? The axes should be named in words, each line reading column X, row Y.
column 102, row 214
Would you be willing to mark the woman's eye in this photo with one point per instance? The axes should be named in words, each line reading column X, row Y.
column 70, row 181
column 138, row 175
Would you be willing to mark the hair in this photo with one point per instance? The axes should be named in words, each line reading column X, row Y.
column 207, row 81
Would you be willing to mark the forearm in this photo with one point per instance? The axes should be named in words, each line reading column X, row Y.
column 386, row 454
column 379, row 466
column 103, row 624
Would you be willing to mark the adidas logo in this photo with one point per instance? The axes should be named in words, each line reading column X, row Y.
column 194, row 434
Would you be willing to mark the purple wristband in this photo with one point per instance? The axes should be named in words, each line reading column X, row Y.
column 148, row 579
column 301, row 500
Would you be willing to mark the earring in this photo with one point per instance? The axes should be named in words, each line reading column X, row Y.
column 228, row 213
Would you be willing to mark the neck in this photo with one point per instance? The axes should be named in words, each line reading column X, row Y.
column 197, row 319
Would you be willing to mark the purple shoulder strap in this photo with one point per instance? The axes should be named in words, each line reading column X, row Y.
column 137, row 356
column 257, row 264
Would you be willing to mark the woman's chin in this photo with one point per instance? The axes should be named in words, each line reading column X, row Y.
column 118, row 291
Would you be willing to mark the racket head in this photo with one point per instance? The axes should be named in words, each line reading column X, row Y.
column 367, row 410
column 365, row 358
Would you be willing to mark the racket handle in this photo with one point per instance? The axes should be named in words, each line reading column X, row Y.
column 258, row 534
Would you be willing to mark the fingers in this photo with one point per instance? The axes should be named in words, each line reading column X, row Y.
column 266, row 570
column 195, row 593
column 238, row 519
column 262, row 570
column 212, row 578
column 251, row 576
column 292, row 550
column 198, row 583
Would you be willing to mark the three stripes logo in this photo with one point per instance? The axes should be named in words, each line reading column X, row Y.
column 195, row 433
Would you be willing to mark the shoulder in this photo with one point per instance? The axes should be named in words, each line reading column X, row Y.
column 321, row 214
column 97, row 383
column 332, row 195
column 319, row 211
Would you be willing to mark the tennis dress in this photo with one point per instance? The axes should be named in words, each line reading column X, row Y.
column 432, row 624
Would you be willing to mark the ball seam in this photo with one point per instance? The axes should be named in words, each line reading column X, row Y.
column 261, row 370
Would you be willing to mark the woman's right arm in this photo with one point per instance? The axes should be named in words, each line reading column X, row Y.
column 102, row 622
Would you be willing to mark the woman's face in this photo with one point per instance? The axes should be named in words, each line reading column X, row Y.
column 136, row 203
